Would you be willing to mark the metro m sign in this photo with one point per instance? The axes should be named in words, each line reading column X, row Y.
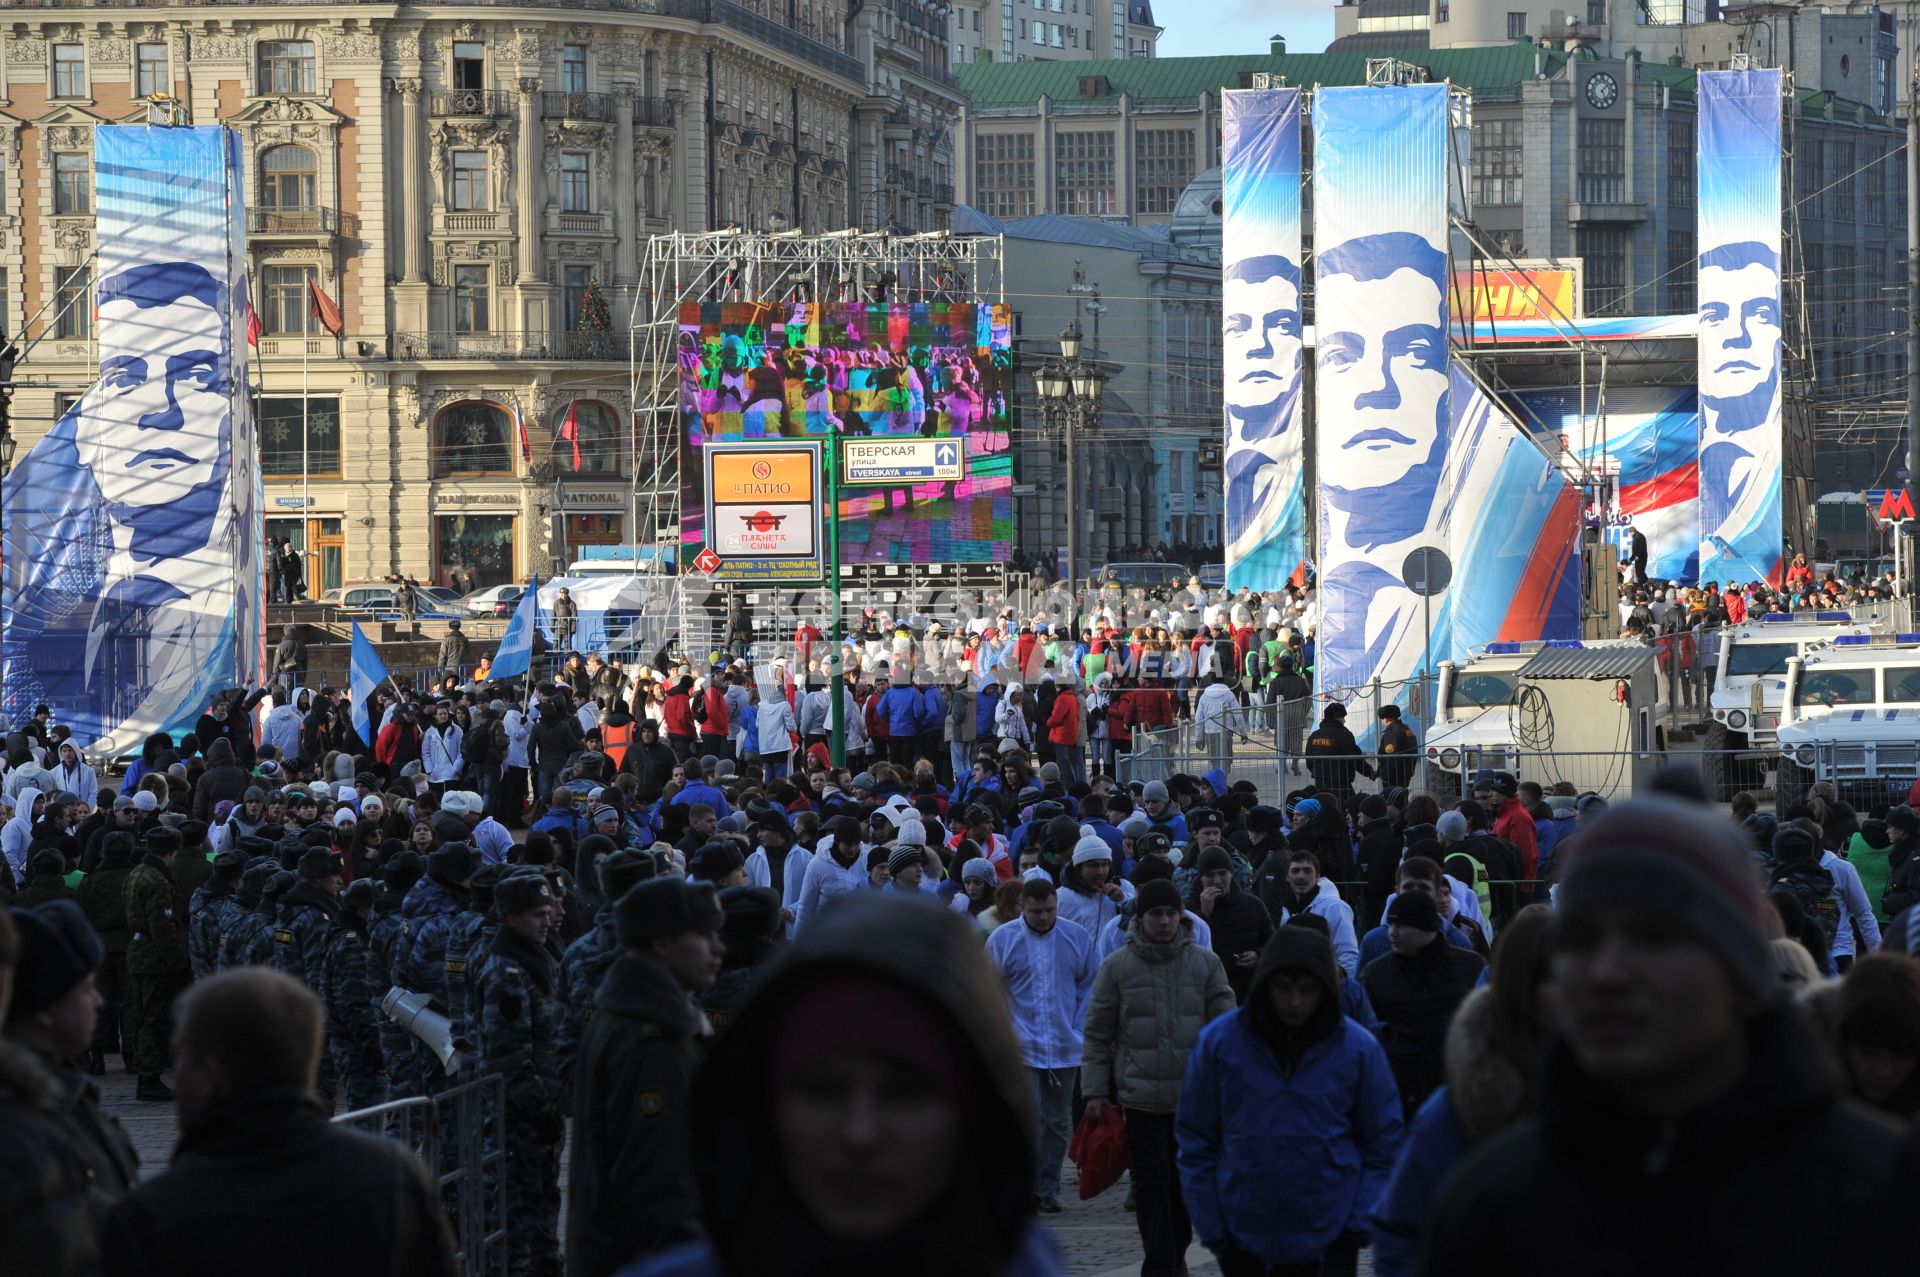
column 1890, row 504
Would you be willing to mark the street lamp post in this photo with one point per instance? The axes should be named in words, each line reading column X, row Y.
column 1070, row 390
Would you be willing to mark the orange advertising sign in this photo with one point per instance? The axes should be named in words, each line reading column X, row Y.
column 763, row 475
column 1516, row 293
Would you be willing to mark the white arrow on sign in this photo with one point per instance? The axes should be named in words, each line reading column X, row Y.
column 944, row 455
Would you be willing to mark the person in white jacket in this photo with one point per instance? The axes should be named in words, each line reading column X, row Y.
column 440, row 748
column 780, row 866
column 1856, row 912
column 1308, row 892
column 1010, row 718
column 1216, row 716
column 838, row 867
column 774, row 729
column 72, row 773
column 1089, row 894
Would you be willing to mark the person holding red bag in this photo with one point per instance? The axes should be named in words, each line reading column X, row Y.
column 1151, row 998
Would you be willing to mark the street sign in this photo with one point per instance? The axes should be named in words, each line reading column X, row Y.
column 1890, row 504
column 707, row 561
column 1427, row 571
column 904, row 460
column 763, row 511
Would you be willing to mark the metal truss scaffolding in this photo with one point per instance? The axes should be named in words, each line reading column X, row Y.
column 735, row 265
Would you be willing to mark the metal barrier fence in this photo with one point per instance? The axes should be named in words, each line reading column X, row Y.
column 461, row 1136
column 1869, row 776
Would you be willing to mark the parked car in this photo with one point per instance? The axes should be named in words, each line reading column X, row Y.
column 378, row 598
column 1213, row 575
column 495, row 600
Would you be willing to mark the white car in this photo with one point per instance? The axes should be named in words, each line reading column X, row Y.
column 495, row 600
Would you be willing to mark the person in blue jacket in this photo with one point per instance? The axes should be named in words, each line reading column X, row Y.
column 1289, row 1120
column 1495, row 1048
column 901, row 706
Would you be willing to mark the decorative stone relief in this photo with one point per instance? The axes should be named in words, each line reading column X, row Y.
column 220, row 48
column 402, row 48
column 352, row 46
column 70, row 137
column 26, row 51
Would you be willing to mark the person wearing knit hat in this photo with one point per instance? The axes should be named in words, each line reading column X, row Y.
column 1677, row 1055
column 631, row 1157
column 51, row 1019
column 907, row 867
column 1415, row 989
column 1161, row 989
column 1091, row 894
column 1239, row 923
column 718, row 863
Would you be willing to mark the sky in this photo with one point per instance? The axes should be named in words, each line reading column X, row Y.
column 1194, row 28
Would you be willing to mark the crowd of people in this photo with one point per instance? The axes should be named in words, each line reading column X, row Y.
column 787, row 1016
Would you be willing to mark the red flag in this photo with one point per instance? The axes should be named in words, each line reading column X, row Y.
column 526, row 445
column 325, row 309
column 254, row 326
column 570, row 431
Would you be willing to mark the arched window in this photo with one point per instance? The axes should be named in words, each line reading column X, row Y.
column 472, row 437
column 598, row 435
column 288, row 179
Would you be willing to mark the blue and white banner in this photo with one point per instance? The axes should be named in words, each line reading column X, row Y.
column 1740, row 326
column 514, row 657
column 132, row 537
column 365, row 672
column 1381, row 392
column 1260, row 246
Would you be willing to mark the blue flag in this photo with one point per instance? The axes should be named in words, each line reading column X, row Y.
column 514, row 658
column 365, row 672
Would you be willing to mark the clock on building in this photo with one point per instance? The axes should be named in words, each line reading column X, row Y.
column 1602, row 89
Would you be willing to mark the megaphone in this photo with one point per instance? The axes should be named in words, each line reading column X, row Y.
column 414, row 1012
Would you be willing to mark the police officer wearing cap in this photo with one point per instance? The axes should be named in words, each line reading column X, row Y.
column 215, row 907
column 1333, row 755
column 519, row 1013
column 586, row 960
column 631, row 1175
column 353, row 1029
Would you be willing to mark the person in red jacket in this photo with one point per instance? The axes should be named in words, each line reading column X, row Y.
column 1499, row 793
column 714, row 727
column 1067, row 729
column 677, row 711
column 1023, row 651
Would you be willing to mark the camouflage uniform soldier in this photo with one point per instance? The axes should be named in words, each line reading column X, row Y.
column 260, row 949
column 103, row 898
column 157, row 967
column 588, row 957
column 467, row 946
column 518, row 1015
column 215, row 908
column 352, row 1035
column 420, row 963
column 255, row 916
column 398, row 873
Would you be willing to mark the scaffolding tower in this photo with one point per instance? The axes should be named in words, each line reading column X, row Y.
column 783, row 267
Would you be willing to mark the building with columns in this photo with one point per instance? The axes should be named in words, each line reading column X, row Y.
column 475, row 186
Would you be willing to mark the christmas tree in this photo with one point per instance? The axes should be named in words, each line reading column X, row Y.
column 596, row 320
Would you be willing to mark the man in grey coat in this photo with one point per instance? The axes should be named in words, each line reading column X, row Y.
column 1150, row 1000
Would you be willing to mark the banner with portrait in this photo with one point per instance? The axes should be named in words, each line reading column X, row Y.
column 1382, row 420
column 132, row 538
column 1741, row 448
column 1261, row 346
column 1648, row 445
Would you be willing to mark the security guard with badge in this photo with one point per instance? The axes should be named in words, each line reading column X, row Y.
column 517, row 1009
column 1399, row 750
column 1333, row 755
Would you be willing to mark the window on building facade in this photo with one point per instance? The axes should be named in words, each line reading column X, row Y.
column 69, row 71
column 480, row 545
column 1841, row 185
column 469, row 181
column 1602, row 171
column 1162, row 167
column 599, row 437
column 150, row 76
column 472, row 437
column 287, row 178
column 576, row 183
column 1811, row 160
column 286, row 424
column 72, row 302
column 287, row 66
column 573, row 294
column 1682, row 262
column 1603, row 255
column 1083, row 174
column 1681, row 147
column 469, row 65
column 1516, row 25
column 1442, row 12
column 1596, row 13
column 1875, row 180
column 573, row 69
column 1498, row 162
column 72, row 183
column 472, row 286
column 283, row 295
column 6, row 303
column 1003, row 177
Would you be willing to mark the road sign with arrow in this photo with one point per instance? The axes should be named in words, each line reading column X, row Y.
column 905, row 460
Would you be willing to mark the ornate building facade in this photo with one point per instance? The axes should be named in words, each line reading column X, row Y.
column 474, row 187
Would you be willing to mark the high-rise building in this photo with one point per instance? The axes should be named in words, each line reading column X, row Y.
column 1052, row 30
column 475, row 186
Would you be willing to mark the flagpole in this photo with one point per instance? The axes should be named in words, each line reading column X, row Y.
column 306, row 407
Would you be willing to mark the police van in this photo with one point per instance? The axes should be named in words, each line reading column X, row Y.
column 1584, row 711
column 1850, row 714
column 1748, row 681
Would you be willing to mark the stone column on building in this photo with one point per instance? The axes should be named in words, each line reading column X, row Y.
column 1123, row 184
column 532, row 214
column 1043, row 158
column 626, row 259
column 413, row 194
